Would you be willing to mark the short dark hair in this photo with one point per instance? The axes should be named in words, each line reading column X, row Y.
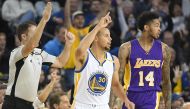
column 2, row 34
column 92, row 27
column 58, row 28
column 145, row 18
column 23, row 28
column 54, row 98
column 96, row 0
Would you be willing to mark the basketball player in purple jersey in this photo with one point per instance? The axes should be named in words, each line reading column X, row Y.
column 145, row 64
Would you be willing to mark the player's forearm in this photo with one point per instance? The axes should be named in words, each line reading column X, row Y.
column 166, row 90
column 65, row 54
column 119, row 92
column 67, row 14
column 46, row 91
column 121, row 74
column 87, row 40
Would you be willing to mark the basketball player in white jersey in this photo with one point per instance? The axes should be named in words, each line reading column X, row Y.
column 97, row 70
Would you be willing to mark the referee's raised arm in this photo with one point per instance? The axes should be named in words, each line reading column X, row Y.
column 32, row 40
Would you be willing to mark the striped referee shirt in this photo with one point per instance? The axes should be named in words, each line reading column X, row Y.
column 24, row 72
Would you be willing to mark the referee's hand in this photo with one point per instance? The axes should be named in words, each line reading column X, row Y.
column 47, row 12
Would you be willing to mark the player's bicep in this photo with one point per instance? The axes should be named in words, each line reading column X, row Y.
column 80, row 61
column 80, row 54
column 123, row 54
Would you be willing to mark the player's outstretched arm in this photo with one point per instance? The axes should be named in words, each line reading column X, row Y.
column 62, row 59
column 34, row 40
column 166, row 85
column 89, row 38
column 117, row 87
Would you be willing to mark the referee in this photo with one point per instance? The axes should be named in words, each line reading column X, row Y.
column 26, row 61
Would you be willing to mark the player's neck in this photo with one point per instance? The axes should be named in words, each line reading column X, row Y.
column 98, row 53
column 22, row 43
column 145, row 39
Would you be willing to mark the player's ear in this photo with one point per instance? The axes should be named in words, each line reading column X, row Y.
column 55, row 106
column 146, row 27
column 23, row 36
column 96, row 38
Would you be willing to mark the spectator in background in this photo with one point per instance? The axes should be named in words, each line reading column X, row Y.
column 141, row 6
column 186, row 86
column 126, row 20
column 166, row 20
column 59, row 101
column 175, row 73
column 18, row 11
column 182, row 39
column 4, row 58
column 40, row 5
column 93, row 12
column 168, row 38
column 57, row 87
column 59, row 17
column 177, row 79
column 43, row 95
column 2, row 93
column 186, row 105
column 177, row 101
column 127, row 23
column 54, row 47
column 161, row 103
column 75, row 5
column 186, row 7
column 177, row 16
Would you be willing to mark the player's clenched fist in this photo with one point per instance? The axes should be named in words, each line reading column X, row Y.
column 69, row 37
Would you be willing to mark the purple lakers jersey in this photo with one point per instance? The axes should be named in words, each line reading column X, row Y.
column 144, row 70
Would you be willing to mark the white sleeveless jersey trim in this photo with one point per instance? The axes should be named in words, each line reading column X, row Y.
column 93, row 82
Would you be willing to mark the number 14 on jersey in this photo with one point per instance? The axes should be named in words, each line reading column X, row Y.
column 149, row 77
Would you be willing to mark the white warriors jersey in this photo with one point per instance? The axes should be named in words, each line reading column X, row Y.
column 93, row 81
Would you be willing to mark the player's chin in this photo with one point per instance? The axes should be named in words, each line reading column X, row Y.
column 156, row 36
column 107, row 48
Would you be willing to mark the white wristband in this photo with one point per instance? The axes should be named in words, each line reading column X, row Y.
column 38, row 104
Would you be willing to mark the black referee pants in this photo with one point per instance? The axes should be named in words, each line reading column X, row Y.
column 16, row 103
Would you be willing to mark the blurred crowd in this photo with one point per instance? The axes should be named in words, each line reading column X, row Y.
column 77, row 16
